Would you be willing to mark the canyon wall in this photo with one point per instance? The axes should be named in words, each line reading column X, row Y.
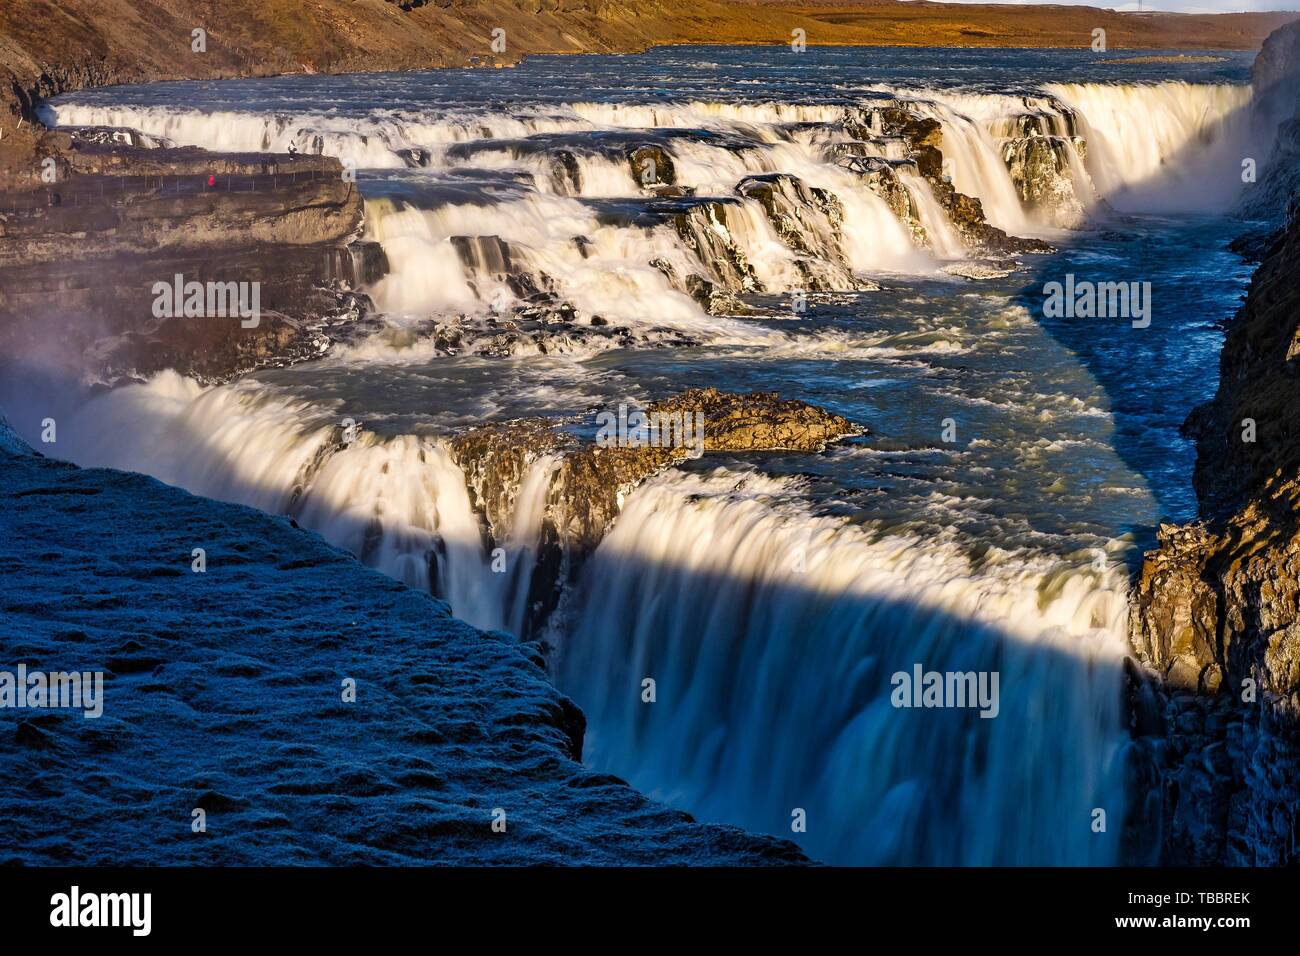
column 1216, row 610
column 1277, row 98
column 81, row 260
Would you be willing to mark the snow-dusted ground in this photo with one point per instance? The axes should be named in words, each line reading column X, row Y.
column 223, row 692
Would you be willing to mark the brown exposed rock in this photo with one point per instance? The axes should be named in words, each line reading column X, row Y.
column 924, row 137
column 1218, row 603
column 590, row 481
column 80, row 258
column 1215, row 613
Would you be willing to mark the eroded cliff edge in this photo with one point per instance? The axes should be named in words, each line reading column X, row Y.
column 222, row 692
column 1216, row 609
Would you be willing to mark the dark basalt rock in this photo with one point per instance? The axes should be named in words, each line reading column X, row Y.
column 1216, row 608
column 712, row 298
column 1215, row 616
column 703, row 228
column 652, row 166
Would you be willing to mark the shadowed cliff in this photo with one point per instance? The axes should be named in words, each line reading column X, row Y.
column 1216, row 606
column 223, row 692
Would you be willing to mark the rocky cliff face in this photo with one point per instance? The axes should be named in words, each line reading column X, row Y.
column 1216, row 610
column 1276, row 78
column 82, row 256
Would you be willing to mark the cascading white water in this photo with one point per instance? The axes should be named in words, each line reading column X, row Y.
column 400, row 504
column 772, row 636
column 1167, row 147
column 607, row 275
column 971, row 153
column 1139, row 140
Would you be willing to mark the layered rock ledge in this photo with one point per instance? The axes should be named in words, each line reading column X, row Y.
column 46, row 50
column 589, row 481
column 82, row 257
column 223, row 692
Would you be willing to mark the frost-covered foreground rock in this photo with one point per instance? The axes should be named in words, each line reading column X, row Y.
column 224, row 692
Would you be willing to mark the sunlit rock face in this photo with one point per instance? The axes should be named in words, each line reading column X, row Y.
column 577, row 489
column 449, row 728
column 1040, row 166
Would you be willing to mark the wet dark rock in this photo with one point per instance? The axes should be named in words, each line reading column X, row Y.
column 703, row 229
column 1040, row 168
column 1216, row 608
column 652, row 166
column 713, row 298
column 882, row 177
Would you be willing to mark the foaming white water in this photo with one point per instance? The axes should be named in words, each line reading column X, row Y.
column 400, row 504
column 972, row 155
column 1166, row 147
column 772, row 637
column 1171, row 145
column 607, row 274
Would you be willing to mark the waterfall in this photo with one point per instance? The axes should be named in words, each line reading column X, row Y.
column 1166, row 147
column 399, row 504
column 608, row 273
column 772, row 636
column 972, row 153
column 772, row 632
column 623, row 209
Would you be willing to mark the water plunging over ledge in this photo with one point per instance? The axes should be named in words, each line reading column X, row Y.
column 770, row 598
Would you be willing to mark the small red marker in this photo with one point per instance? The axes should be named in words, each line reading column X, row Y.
column 212, row 181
